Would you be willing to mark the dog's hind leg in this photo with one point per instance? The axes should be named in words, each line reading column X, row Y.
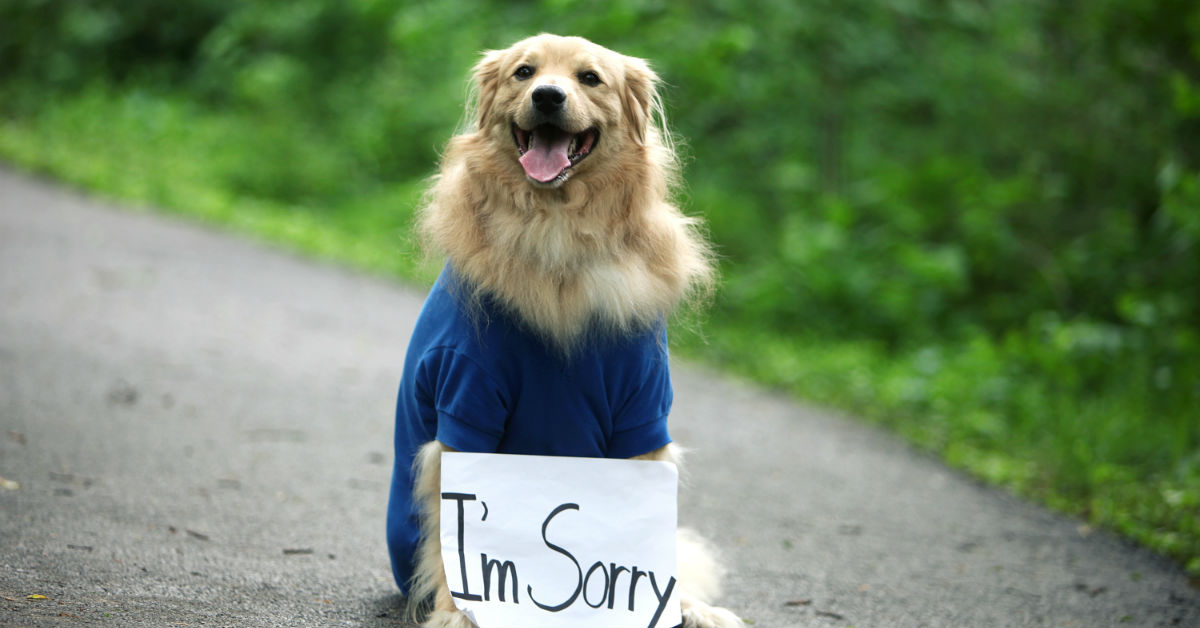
column 428, row 586
column 700, row 574
column 700, row 571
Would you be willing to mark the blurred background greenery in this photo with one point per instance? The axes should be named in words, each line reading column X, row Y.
column 977, row 223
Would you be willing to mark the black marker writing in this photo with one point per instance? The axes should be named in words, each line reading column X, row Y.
column 612, row 591
column 497, row 572
column 579, row 586
column 662, row 597
column 505, row 569
column 588, row 578
column 462, row 556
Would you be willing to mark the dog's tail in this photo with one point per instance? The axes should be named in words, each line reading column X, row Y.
column 428, row 576
column 700, row 569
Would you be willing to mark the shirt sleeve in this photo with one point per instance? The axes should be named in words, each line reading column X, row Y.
column 472, row 408
column 640, row 424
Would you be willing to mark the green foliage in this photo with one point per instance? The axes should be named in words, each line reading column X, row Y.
column 162, row 150
column 978, row 223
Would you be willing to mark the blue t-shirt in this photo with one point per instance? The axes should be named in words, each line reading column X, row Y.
column 478, row 381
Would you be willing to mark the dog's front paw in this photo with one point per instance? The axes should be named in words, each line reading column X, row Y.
column 701, row 615
column 448, row 619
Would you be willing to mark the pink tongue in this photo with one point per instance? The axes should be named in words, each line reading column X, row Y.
column 547, row 155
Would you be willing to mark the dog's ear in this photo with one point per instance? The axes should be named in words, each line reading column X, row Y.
column 640, row 97
column 485, row 82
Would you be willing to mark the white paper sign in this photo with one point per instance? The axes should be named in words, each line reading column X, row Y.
column 540, row 541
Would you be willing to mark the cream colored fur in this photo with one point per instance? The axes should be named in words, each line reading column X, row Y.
column 606, row 249
column 601, row 251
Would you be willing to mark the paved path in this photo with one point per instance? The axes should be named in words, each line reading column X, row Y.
column 200, row 430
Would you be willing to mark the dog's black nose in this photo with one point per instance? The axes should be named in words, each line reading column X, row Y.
column 549, row 98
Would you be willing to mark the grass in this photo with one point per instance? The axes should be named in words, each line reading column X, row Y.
column 161, row 152
column 1007, row 410
column 1096, row 457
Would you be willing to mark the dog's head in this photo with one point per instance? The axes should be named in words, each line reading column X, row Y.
column 561, row 106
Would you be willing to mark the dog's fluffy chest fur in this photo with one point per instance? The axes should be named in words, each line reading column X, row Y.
column 585, row 259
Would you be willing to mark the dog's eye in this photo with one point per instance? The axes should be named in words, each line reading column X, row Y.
column 589, row 78
column 523, row 72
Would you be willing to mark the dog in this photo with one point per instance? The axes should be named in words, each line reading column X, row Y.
column 545, row 333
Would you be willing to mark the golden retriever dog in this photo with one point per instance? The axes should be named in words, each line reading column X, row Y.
column 545, row 333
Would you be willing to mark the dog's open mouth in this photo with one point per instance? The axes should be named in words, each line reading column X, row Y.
column 548, row 152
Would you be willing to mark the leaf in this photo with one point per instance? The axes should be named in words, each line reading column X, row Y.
column 197, row 535
column 36, row 596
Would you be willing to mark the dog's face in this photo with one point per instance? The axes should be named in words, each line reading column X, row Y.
column 562, row 106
